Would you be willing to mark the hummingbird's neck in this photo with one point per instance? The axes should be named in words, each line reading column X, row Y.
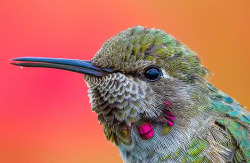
column 191, row 124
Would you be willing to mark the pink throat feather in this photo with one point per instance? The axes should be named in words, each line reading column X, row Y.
column 146, row 130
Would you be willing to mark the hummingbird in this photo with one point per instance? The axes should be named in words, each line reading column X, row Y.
column 155, row 103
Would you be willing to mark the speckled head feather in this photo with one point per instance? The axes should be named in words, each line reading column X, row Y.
column 136, row 48
column 152, row 98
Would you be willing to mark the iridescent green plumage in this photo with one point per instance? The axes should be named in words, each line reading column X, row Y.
column 235, row 120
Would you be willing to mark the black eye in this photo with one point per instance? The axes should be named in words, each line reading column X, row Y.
column 153, row 74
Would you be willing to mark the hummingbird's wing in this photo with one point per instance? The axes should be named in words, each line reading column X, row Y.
column 233, row 119
column 236, row 121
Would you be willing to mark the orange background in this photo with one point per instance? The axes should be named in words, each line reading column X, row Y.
column 45, row 115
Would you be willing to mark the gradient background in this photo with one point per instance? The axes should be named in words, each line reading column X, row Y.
column 45, row 115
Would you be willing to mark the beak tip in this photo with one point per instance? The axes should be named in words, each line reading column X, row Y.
column 16, row 59
column 16, row 64
column 11, row 61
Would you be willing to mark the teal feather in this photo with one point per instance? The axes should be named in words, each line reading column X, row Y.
column 236, row 120
column 240, row 134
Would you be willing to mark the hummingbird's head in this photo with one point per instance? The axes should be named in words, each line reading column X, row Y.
column 141, row 83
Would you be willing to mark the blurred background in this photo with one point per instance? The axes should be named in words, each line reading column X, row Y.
column 45, row 114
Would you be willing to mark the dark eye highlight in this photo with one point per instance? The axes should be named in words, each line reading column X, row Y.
column 153, row 74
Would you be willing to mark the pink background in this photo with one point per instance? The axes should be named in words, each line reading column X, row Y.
column 45, row 115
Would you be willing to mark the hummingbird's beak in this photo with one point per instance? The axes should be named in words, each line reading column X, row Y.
column 74, row 65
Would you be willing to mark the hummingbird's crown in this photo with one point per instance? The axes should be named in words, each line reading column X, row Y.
column 136, row 48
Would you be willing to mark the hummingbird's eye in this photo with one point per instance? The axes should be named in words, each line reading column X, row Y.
column 153, row 74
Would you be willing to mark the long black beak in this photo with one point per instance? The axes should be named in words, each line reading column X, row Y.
column 79, row 66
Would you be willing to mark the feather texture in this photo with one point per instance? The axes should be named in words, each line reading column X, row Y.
column 179, row 117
